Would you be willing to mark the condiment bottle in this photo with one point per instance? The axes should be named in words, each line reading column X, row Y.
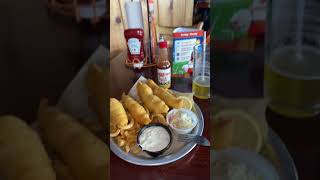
column 163, row 65
column 134, row 38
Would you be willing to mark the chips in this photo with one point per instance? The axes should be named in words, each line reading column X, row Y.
column 126, row 137
column 127, row 148
column 115, row 133
column 134, row 148
column 121, row 142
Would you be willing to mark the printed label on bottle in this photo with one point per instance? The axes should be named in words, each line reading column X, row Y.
column 134, row 46
column 164, row 77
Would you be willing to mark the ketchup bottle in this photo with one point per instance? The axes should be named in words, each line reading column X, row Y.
column 163, row 65
column 134, row 38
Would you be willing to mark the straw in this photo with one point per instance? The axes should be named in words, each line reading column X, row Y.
column 204, row 54
column 300, row 28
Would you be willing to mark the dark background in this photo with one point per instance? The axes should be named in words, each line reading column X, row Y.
column 40, row 53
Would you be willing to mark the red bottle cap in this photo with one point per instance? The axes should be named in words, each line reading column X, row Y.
column 163, row 44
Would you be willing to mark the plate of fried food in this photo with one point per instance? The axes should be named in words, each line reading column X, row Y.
column 145, row 123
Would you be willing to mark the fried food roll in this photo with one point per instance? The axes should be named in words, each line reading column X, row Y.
column 118, row 115
column 136, row 110
column 85, row 154
column 22, row 155
column 165, row 95
column 151, row 101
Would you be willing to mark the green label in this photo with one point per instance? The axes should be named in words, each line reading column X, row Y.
column 222, row 13
column 180, row 68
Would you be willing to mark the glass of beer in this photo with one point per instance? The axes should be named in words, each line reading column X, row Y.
column 201, row 73
column 292, row 62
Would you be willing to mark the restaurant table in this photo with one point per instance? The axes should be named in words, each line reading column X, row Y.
column 241, row 74
column 195, row 165
column 40, row 54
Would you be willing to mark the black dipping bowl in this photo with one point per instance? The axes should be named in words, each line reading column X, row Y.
column 156, row 153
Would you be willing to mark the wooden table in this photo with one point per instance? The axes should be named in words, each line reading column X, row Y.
column 195, row 165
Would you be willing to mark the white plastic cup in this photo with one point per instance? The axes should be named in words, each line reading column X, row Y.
column 184, row 130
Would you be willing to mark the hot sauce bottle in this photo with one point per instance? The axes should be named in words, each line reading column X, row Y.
column 163, row 65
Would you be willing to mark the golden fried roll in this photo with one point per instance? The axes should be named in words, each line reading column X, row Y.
column 165, row 95
column 151, row 101
column 152, row 84
column 136, row 110
column 118, row 115
column 22, row 155
column 83, row 153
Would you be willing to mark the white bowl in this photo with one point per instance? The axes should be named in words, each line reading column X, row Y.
column 253, row 161
column 184, row 130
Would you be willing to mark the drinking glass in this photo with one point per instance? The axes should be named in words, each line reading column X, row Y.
column 201, row 73
column 292, row 61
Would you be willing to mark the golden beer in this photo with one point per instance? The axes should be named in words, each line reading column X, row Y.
column 292, row 82
column 201, row 87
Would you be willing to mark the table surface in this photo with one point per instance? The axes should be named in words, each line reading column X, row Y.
column 239, row 75
column 195, row 165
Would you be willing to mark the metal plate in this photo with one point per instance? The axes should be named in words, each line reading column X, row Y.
column 161, row 160
column 287, row 169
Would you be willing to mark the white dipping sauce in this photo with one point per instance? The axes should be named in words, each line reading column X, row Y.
column 154, row 138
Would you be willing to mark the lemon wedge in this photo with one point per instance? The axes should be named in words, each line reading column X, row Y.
column 187, row 103
column 235, row 128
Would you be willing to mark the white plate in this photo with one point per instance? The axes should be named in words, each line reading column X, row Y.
column 287, row 169
column 169, row 156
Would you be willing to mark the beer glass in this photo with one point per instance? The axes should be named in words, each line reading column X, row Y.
column 201, row 73
column 292, row 59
